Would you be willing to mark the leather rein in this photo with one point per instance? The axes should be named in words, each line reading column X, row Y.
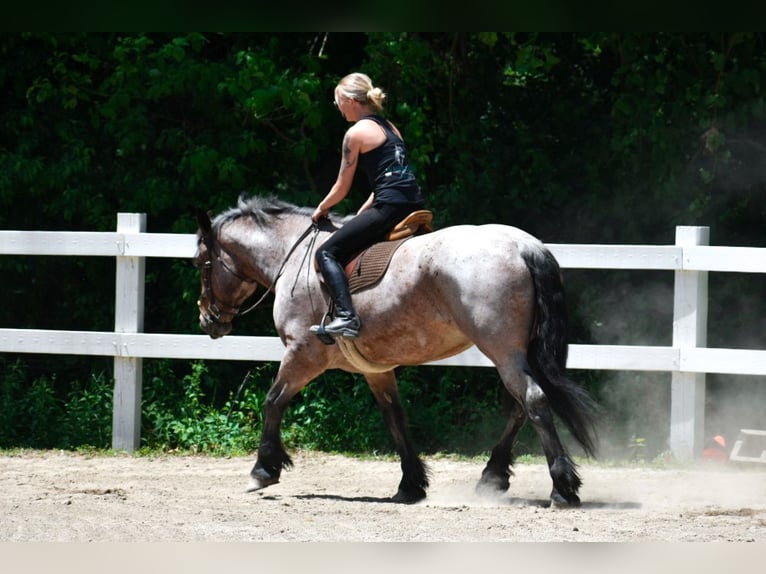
column 214, row 311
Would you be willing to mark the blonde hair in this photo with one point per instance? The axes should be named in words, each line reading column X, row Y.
column 358, row 86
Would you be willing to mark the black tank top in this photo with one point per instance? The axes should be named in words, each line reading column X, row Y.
column 388, row 170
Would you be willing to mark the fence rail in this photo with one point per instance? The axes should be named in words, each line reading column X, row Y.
column 257, row 348
column 688, row 359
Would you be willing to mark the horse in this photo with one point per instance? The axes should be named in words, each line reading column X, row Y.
column 493, row 286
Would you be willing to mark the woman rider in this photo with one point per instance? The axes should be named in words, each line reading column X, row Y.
column 375, row 146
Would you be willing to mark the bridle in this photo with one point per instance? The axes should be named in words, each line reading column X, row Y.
column 215, row 311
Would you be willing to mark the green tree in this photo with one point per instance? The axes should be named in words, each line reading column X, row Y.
column 576, row 137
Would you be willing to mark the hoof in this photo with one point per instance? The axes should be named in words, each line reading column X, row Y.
column 260, row 479
column 402, row 497
column 566, row 482
column 558, row 501
column 492, row 484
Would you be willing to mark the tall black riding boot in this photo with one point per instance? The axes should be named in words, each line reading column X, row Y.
column 346, row 323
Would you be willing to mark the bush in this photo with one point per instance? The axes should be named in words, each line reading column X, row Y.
column 181, row 417
column 45, row 414
column 188, row 408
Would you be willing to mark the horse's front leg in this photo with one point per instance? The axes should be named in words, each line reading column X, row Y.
column 414, row 483
column 272, row 457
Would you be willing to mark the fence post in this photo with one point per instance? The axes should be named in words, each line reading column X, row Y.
column 128, row 318
column 690, row 306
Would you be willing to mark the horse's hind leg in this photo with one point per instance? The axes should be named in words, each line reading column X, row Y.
column 522, row 385
column 496, row 475
column 566, row 481
column 414, row 483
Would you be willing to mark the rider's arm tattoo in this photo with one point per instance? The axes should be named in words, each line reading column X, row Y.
column 348, row 161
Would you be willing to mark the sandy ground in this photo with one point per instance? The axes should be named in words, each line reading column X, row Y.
column 55, row 496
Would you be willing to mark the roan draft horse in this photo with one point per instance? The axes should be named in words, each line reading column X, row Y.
column 493, row 286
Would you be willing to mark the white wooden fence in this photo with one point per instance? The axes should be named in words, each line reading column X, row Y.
column 688, row 359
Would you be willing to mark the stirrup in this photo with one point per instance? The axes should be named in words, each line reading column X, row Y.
column 319, row 330
column 349, row 328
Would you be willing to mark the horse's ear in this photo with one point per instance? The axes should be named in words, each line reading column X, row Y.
column 203, row 220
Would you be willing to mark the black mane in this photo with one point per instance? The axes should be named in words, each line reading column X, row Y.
column 262, row 209
column 258, row 207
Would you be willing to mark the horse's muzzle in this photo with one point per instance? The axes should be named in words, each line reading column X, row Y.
column 215, row 329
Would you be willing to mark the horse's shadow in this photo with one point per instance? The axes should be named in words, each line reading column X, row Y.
column 332, row 497
column 521, row 502
column 339, row 498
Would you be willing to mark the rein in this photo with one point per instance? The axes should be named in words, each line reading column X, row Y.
column 213, row 308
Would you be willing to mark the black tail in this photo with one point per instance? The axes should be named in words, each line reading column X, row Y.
column 547, row 354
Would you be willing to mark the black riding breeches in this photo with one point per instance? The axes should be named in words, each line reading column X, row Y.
column 363, row 230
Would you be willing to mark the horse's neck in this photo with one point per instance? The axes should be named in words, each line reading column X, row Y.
column 265, row 249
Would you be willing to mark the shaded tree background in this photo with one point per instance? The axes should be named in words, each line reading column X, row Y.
column 575, row 137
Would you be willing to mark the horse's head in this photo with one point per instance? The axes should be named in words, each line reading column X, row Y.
column 223, row 288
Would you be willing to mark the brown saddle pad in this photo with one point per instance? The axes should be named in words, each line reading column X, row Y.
column 368, row 267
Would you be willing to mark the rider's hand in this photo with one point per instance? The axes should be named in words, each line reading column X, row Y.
column 318, row 214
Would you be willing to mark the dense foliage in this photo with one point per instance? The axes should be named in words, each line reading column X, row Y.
column 577, row 138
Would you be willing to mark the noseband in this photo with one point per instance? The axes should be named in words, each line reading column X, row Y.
column 214, row 312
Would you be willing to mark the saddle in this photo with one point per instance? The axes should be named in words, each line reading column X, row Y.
column 416, row 223
column 368, row 266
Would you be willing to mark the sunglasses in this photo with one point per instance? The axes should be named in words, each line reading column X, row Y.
column 337, row 103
